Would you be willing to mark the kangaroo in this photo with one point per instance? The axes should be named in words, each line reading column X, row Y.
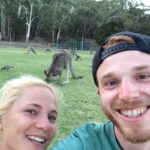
column 7, row 68
column 77, row 57
column 31, row 50
column 47, row 50
column 61, row 61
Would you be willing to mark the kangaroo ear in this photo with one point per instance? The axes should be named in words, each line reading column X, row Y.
column 45, row 72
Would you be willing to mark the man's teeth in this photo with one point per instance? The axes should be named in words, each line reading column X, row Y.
column 134, row 112
column 37, row 139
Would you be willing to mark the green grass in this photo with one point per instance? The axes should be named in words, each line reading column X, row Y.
column 79, row 105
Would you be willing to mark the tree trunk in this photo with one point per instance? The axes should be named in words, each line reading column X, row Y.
column 58, row 35
column 3, row 22
column 38, row 28
column 53, row 34
column 29, row 22
column 82, row 41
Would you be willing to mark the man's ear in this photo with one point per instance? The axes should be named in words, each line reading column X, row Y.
column 1, row 124
column 97, row 91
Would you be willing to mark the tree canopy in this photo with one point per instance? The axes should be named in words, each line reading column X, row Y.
column 56, row 20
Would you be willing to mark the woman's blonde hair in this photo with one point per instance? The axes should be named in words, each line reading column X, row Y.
column 14, row 88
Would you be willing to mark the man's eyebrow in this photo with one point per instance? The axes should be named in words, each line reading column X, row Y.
column 107, row 75
column 141, row 67
column 137, row 68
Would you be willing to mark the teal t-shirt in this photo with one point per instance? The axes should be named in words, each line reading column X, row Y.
column 90, row 136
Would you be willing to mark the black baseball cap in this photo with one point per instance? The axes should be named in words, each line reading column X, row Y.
column 142, row 43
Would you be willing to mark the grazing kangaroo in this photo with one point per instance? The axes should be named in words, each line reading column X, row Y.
column 31, row 50
column 61, row 61
column 7, row 68
column 77, row 57
column 47, row 50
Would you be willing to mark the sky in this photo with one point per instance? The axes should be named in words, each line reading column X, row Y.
column 146, row 2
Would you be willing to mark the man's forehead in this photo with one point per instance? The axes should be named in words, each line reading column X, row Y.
column 129, row 59
column 142, row 44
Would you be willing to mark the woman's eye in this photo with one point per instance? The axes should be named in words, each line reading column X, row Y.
column 31, row 111
column 52, row 119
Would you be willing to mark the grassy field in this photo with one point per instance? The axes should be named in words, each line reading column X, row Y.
column 79, row 105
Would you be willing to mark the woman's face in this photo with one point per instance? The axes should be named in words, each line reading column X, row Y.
column 30, row 124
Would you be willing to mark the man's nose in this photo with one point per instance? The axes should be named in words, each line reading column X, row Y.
column 128, row 90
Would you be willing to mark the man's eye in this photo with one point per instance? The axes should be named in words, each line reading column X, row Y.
column 143, row 77
column 52, row 119
column 111, row 83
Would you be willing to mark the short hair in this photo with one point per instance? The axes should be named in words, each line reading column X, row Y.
column 119, row 42
column 13, row 89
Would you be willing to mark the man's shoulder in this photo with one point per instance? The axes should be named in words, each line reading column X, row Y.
column 94, row 127
column 87, row 137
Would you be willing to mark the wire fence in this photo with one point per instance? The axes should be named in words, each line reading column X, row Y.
column 71, row 44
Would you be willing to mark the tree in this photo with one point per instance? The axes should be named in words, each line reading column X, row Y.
column 7, row 18
column 25, row 10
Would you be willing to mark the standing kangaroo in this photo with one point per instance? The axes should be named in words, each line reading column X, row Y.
column 61, row 61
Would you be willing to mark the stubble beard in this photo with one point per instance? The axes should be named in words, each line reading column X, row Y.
column 131, row 134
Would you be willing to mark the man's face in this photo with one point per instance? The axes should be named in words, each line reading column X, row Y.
column 30, row 123
column 124, row 88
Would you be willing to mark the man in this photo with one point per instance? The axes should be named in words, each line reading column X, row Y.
column 121, row 72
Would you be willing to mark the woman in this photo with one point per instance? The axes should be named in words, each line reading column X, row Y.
column 28, row 113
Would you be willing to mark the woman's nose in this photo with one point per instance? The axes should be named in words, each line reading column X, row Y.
column 44, row 124
column 128, row 90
